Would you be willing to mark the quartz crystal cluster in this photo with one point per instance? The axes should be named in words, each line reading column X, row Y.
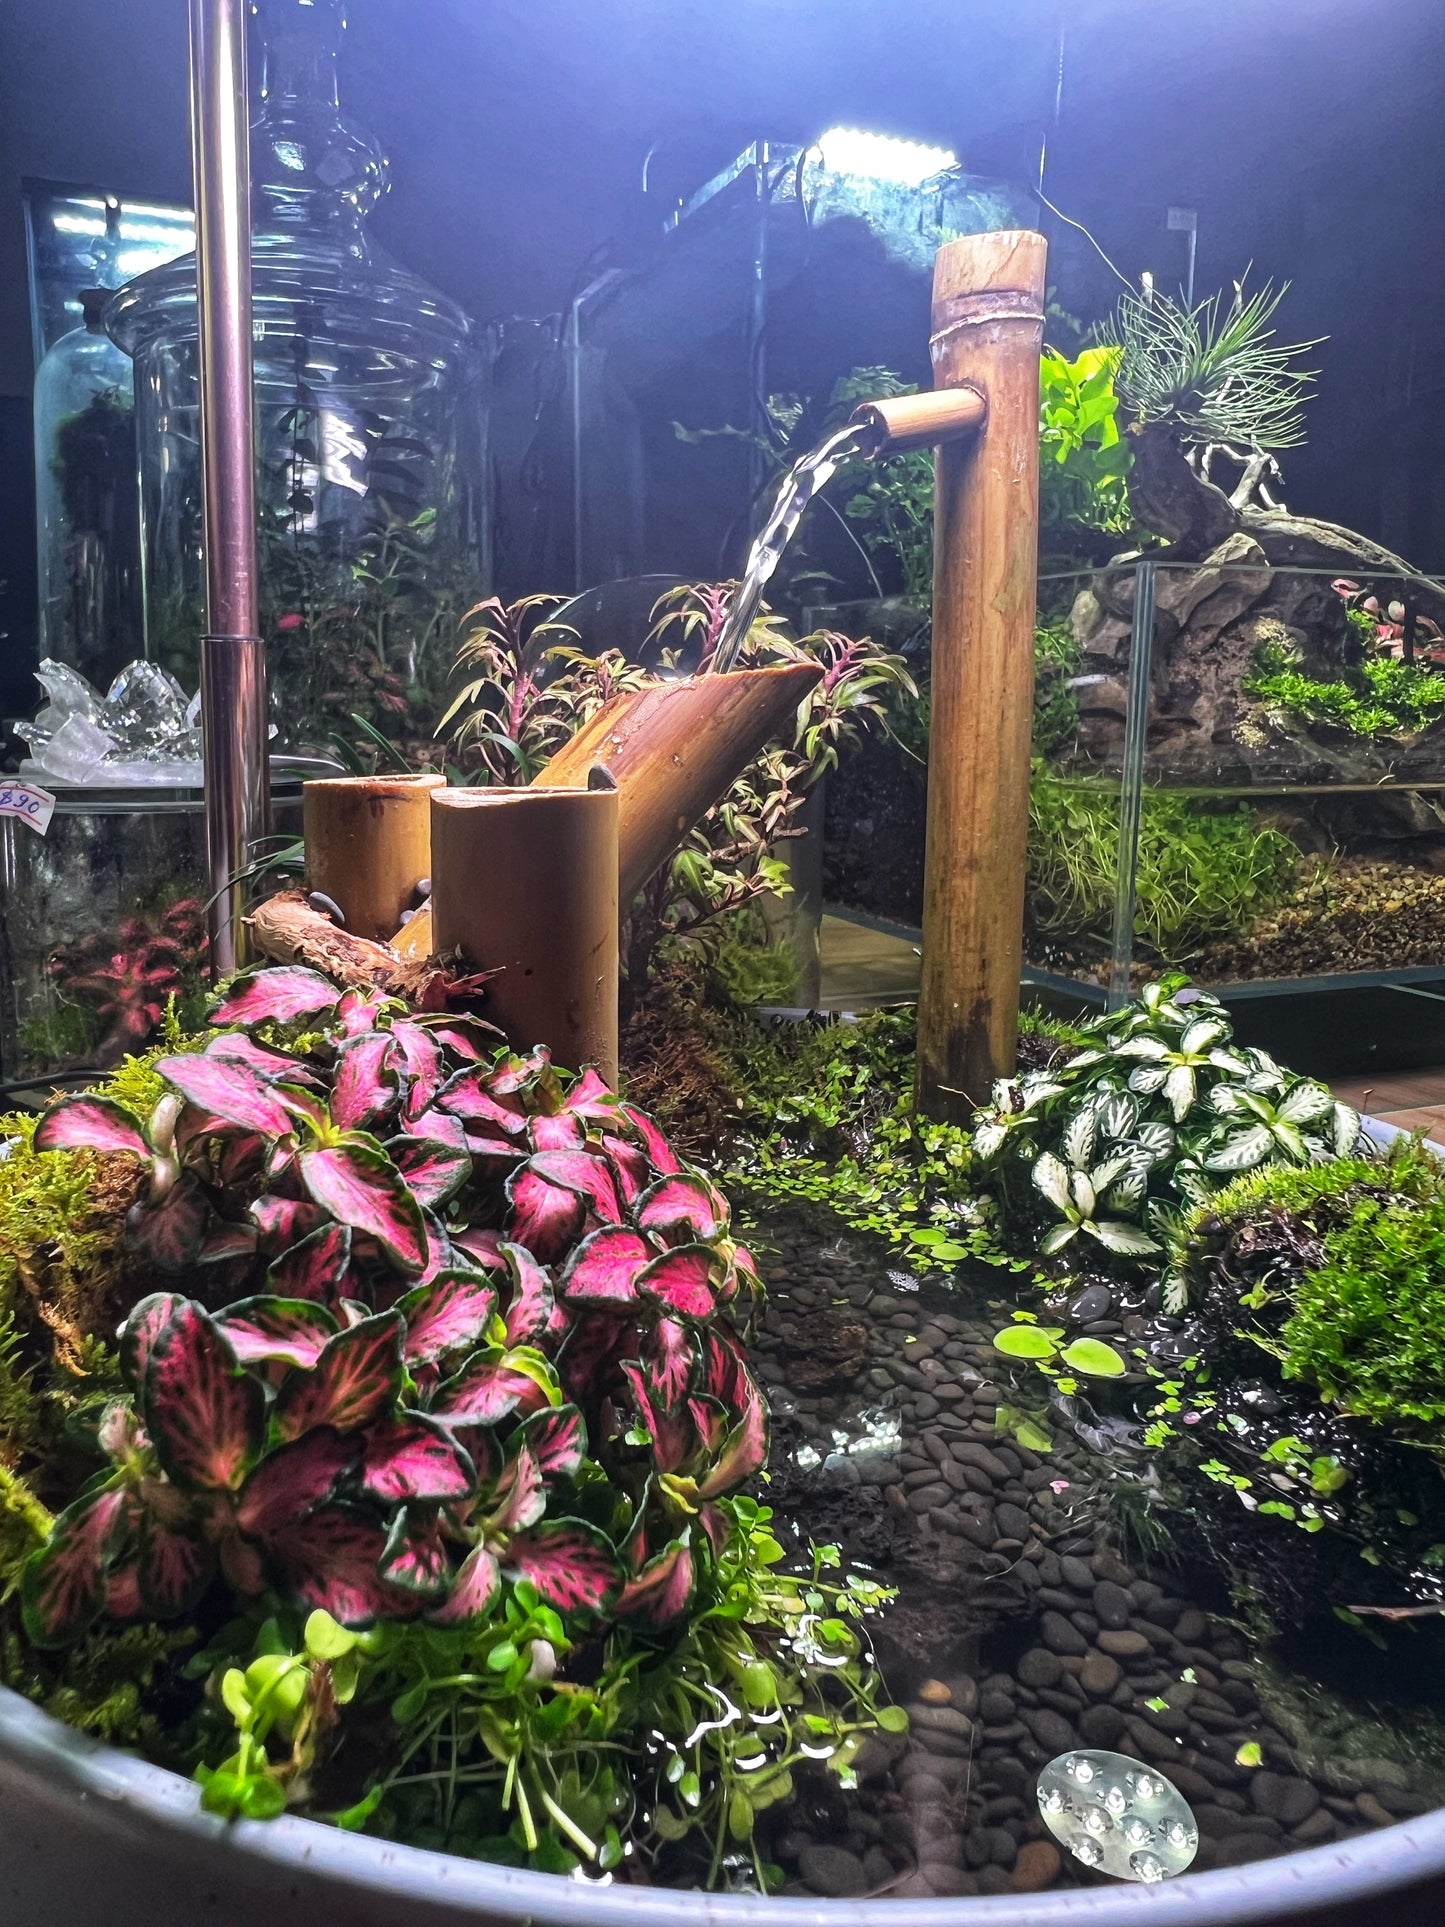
column 144, row 730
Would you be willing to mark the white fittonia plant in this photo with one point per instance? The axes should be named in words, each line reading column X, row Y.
column 1159, row 1110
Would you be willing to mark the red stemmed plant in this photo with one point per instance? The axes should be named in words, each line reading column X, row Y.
column 434, row 1317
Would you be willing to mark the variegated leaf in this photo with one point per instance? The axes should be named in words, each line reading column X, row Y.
column 661, row 1592
column 682, row 1209
column 355, row 1379
column 660, row 1154
column 170, row 1234
column 331, row 1562
column 1051, row 1176
column 415, row 1555
column 1125, row 1239
column 87, row 1123
column 682, row 1281
column 473, row 1590
column 260, row 1330
column 411, row 1457
column 451, row 1314
column 278, row 994
column 62, row 1587
column 359, row 1185
column 546, row 1217
column 293, row 1480
column 205, row 1415
column 529, row 1306
column 315, row 1268
column 367, row 1082
column 236, row 1093
column 604, row 1268
column 556, row 1439
column 570, row 1563
column 1242, row 1151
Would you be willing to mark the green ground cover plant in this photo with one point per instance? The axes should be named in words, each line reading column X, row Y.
column 1383, row 697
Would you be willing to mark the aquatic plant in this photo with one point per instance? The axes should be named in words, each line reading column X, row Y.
column 1382, row 697
column 1202, row 874
column 443, row 1389
column 1103, row 1150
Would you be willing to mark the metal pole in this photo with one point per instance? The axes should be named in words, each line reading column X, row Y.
column 1131, row 785
column 233, row 665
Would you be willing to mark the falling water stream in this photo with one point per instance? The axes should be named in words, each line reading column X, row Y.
column 805, row 479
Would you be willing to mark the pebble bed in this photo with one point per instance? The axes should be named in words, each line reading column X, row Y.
column 1019, row 1631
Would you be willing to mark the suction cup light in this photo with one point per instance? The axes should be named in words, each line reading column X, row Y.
column 848, row 150
column 1118, row 1815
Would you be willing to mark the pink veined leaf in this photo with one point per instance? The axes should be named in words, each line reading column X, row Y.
column 275, row 1065
column 725, row 1374
column 710, row 1421
column 670, row 1359
column 331, row 1560
column 241, row 1153
column 226, row 1241
column 477, row 1583
column 280, row 994
column 358, row 1012
column 660, row 1153
column 123, row 1596
column 293, row 1330
column 570, row 1563
column 242, row 1567
column 449, row 1315
column 440, row 1255
column 511, row 1073
column 589, row 1176
column 173, row 1567
column 682, row 1209
column 411, row 1457
column 62, row 1588
column 355, row 1379
column 415, row 1556
column 718, row 1526
column 682, row 1281
column 556, row 1439
column 360, row 1186
column 744, row 1451
column 303, row 1103
column 206, row 1417
column 421, row 1060
column 564, row 1132
column 590, row 1353
column 546, row 1217
column 524, row 1495
column 440, row 1126
column 629, row 1166
column 469, row 1096
column 530, row 1305
column 120, row 1432
column 366, row 1083
column 170, row 1234
column 284, row 1223
column 138, row 1334
column 604, row 1268
column 590, row 1096
column 295, row 1479
column 434, row 1171
column 471, row 1038
column 491, row 1151
column 483, row 1392
column 233, row 1092
column 742, row 1273
column 483, row 1248
column 660, row 1594
column 91, row 1124
column 315, row 1268
column 673, row 1435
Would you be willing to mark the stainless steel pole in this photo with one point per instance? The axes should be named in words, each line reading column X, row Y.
column 233, row 665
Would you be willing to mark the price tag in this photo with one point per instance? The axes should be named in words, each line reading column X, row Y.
column 29, row 802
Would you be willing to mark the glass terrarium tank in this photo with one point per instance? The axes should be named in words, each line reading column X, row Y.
column 370, row 405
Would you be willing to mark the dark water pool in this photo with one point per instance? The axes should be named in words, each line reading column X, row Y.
column 1044, row 1603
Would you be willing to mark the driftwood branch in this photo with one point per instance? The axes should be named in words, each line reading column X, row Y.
column 287, row 930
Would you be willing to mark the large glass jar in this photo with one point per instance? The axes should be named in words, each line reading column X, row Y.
column 87, row 505
column 371, row 409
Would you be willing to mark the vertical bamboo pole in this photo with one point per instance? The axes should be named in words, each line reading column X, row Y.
column 368, row 846
column 988, row 297
column 524, row 882
column 233, row 663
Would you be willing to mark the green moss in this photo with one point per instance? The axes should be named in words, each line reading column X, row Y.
column 1383, row 697
column 1367, row 1326
column 1202, row 873
column 1407, row 1170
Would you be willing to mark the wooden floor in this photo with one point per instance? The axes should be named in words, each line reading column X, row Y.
column 864, row 966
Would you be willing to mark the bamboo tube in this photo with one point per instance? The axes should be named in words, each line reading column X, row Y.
column 988, row 292
column 675, row 748
column 368, row 845
column 900, row 422
column 525, row 883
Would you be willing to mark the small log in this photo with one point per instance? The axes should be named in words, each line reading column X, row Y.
column 287, row 930
column 368, row 845
column 524, row 883
column 988, row 298
column 675, row 749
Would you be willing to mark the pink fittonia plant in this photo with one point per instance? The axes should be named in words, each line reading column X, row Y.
column 432, row 1319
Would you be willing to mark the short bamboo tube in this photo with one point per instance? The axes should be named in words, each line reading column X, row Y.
column 675, row 748
column 524, row 882
column 368, row 846
column 988, row 297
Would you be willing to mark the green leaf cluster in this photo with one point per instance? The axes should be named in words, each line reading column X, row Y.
column 1383, row 696
column 1084, row 461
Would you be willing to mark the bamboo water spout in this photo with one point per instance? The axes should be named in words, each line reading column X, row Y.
column 368, row 846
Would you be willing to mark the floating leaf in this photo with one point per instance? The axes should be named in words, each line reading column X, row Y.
column 1024, row 1341
column 1093, row 1358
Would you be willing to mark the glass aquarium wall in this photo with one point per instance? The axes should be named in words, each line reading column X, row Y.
column 371, row 413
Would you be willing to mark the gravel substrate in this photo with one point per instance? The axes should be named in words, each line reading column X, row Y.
column 1019, row 1630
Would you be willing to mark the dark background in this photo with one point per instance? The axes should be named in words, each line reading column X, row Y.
column 1307, row 133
